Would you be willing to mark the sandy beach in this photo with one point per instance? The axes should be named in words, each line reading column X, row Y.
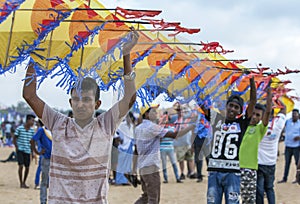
column 188, row 192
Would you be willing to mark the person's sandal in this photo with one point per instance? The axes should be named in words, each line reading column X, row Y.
column 132, row 179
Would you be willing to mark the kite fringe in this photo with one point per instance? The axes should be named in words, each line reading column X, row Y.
column 26, row 49
column 8, row 7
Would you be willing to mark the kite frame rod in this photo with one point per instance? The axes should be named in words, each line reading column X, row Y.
column 106, row 21
column 199, row 52
column 208, row 60
column 170, row 43
column 9, row 38
column 142, row 30
column 82, row 9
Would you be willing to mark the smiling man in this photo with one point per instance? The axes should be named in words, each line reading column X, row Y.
column 228, row 131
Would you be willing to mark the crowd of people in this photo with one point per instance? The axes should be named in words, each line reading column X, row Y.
column 79, row 151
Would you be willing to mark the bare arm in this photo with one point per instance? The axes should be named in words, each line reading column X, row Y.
column 268, row 111
column 130, row 91
column 33, row 146
column 180, row 133
column 283, row 107
column 15, row 141
column 252, row 101
column 29, row 93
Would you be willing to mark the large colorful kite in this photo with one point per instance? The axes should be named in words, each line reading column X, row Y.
column 71, row 39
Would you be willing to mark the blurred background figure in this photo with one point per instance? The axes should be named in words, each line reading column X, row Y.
column 183, row 145
column 125, row 132
column 167, row 149
column 22, row 137
column 292, row 144
column 44, row 137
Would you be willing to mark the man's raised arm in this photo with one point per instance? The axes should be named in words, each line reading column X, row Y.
column 129, row 91
column 266, row 116
column 252, row 101
column 29, row 92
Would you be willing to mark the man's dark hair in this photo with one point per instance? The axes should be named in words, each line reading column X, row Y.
column 29, row 117
column 99, row 112
column 87, row 84
column 260, row 106
column 295, row 110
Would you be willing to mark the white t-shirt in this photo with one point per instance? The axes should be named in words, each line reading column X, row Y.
column 268, row 147
column 126, row 134
column 8, row 128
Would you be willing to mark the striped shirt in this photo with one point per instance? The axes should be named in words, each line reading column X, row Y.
column 166, row 143
column 23, row 138
column 80, row 157
column 148, row 135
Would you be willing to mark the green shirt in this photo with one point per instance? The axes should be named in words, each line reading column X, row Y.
column 248, row 152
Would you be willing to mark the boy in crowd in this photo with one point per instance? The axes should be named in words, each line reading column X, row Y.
column 228, row 131
column 267, row 157
column 248, row 154
column 21, row 140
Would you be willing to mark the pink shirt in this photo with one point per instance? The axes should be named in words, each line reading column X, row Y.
column 80, row 157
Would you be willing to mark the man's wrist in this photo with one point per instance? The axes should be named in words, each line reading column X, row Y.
column 130, row 76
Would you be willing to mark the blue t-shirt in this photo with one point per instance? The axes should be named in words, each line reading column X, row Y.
column 291, row 131
column 45, row 139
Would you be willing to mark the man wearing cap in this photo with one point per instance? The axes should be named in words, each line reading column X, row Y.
column 291, row 141
column 148, row 135
column 228, row 131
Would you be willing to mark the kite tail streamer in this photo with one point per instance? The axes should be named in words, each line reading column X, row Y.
column 145, row 54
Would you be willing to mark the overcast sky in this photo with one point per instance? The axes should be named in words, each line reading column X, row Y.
column 264, row 31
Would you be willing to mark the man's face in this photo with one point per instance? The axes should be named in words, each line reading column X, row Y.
column 256, row 116
column 295, row 115
column 232, row 110
column 153, row 115
column 83, row 106
column 30, row 122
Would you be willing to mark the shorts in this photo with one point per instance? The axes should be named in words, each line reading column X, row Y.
column 23, row 158
column 184, row 153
